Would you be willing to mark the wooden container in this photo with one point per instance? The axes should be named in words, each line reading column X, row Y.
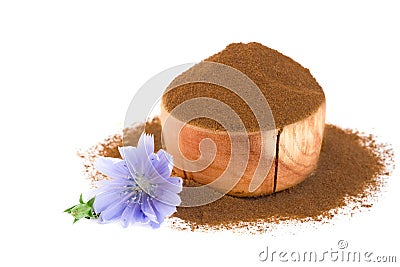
column 296, row 151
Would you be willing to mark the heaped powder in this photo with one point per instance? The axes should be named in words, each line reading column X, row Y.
column 291, row 91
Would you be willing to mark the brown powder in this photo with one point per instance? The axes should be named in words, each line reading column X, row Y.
column 349, row 172
column 291, row 91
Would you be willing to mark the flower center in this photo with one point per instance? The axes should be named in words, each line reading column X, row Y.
column 139, row 187
column 144, row 184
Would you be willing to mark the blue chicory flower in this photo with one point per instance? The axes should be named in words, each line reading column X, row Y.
column 141, row 189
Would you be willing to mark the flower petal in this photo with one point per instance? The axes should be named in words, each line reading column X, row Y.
column 147, row 209
column 112, row 212
column 161, row 165
column 165, row 163
column 145, row 152
column 146, row 144
column 162, row 210
column 105, row 185
column 137, row 161
column 148, row 168
column 138, row 215
column 104, row 200
column 176, row 181
column 167, row 197
column 127, row 216
column 131, row 158
column 155, row 225
column 112, row 167
column 172, row 184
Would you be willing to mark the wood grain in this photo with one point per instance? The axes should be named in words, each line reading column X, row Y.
column 295, row 157
column 299, row 149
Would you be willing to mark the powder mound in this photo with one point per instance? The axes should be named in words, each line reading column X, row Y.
column 290, row 89
column 350, row 172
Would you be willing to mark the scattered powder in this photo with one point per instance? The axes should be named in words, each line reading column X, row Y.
column 109, row 146
column 350, row 173
column 290, row 89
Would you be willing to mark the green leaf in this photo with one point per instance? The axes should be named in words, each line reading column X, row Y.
column 91, row 202
column 69, row 210
column 82, row 210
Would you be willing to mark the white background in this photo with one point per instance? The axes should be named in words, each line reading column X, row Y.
column 68, row 70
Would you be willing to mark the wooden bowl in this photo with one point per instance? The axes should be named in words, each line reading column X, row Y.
column 297, row 147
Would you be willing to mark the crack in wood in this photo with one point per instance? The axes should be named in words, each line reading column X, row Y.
column 276, row 159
